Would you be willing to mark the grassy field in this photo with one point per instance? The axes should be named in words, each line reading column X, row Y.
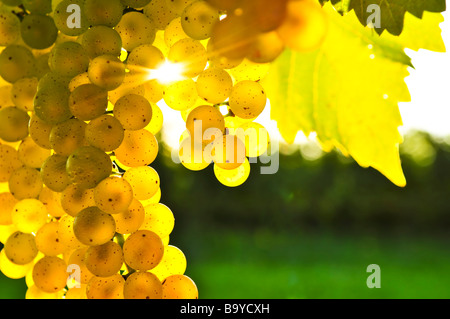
column 263, row 264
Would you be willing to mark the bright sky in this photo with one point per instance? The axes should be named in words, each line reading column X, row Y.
column 429, row 110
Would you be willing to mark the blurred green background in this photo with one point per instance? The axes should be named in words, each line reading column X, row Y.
column 311, row 230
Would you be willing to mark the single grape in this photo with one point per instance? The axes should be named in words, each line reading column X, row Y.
column 113, row 195
column 144, row 181
column 7, row 203
column 214, row 85
column 133, row 111
column 80, row 79
column 76, row 292
column 50, row 274
column 105, row 132
column 67, row 136
column 178, row 6
column 250, row 71
column 9, row 28
column 78, row 258
column 25, row 182
column 103, row 12
column 9, row 162
column 48, row 241
column 105, row 288
column 143, row 250
column 61, row 16
column 12, row 270
column 135, row 29
column 179, row 287
column 68, row 59
column 138, row 148
column 23, row 92
column 191, row 55
column 93, row 227
column 198, row 19
column 192, row 155
column 88, row 102
column 52, row 200
column 13, row 124
column 247, row 99
column 31, row 154
column 130, row 220
column 100, row 40
column 38, row 31
column 174, row 32
column 172, row 263
column 20, row 248
column 180, row 95
column 232, row 177
column 228, row 152
column 54, row 174
column 205, row 123
column 142, row 285
column 66, row 233
column 158, row 219
column 266, row 48
column 75, row 198
column 160, row 13
column 16, row 62
column 29, row 215
column 52, row 106
column 256, row 138
column 107, row 72
column 38, row 6
column 104, row 260
column 156, row 124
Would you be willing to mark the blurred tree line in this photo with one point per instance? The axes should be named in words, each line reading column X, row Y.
column 310, row 192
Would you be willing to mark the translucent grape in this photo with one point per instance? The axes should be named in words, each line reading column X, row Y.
column 132, row 84
column 29, row 215
column 214, row 85
column 216, row 59
column 266, row 48
column 178, row 6
column 113, row 195
column 103, row 12
column 250, row 71
column 34, row 292
column 265, row 15
column 107, row 72
column 198, row 20
column 76, row 292
column 5, row 95
column 31, row 154
column 25, row 182
column 100, row 40
column 228, row 152
column 52, row 200
column 49, row 274
column 105, row 288
column 9, row 162
column 88, row 166
column 54, row 174
column 88, row 102
column 7, row 203
column 174, row 32
column 38, row 6
column 191, row 54
column 23, row 92
column 79, row 80
column 248, row 99
column 205, row 123
column 180, row 95
column 143, row 250
column 256, row 138
column 142, row 285
column 133, row 111
column 52, row 106
column 139, row 148
column 157, row 121
column 104, row 260
column 160, row 13
column 158, row 219
column 38, row 31
column 143, row 59
column 12, row 270
column 144, row 181
column 192, row 156
column 135, row 29
column 60, row 16
column 225, row 4
column 66, row 233
column 9, row 28
column 67, row 136
column 16, row 62
column 179, row 287
column 93, row 227
column 20, row 248
column 172, row 263
column 105, row 132
column 53, row 80
column 75, row 198
column 78, row 258
column 131, row 219
column 68, row 59
column 13, row 124
column 135, row 3
column 233, row 177
column 47, row 240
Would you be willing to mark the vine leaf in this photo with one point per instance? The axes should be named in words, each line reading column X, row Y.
column 347, row 92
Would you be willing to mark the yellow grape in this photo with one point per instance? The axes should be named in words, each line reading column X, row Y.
column 33, row 292
column 179, row 287
column 7, row 203
column 192, row 156
column 100, row 40
column 207, row 121
column 107, row 72
column 265, row 15
column 178, row 6
column 52, row 200
column 266, row 48
column 216, row 59
column 154, row 200
column 198, row 19
column 76, row 292
column 16, row 62
column 20, row 248
column 190, row 54
column 5, row 94
column 9, row 28
column 160, row 13
column 159, row 219
column 9, row 162
column 113, row 195
column 54, row 174
column 103, row 12
column 93, row 227
column 38, row 31
column 157, row 120
column 105, row 288
column 248, row 99
column 256, row 138
column 105, row 132
column 88, row 102
column 130, row 220
column 135, row 3
column 66, row 233
column 153, row 91
column 38, row 6
column 68, row 59
column 132, row 84
column 40, row 132
column 172, row 263
column 104, row 260
column 250, row 71
column 133, row 111
column 138, row 148
column 174, row 32
column 160, row 43
column 225, row 4
column 214, row 85
column 76, row 198
column 143, row 250
column 29, row 215
column 25, row 182
column 80, row 79
column 78, row 258
column 68, row 136
column 48, row 241
column 180, row 95
column 88, row 166
column 23, row 92
column 31, row 154
column 305, row 27
column 51, row 104
column 6, row 231
column 228, row 152
column 143, row 59
column 60, row 16
column 50, row 274
column 12, row 270
column 142, row 285
column 144, row 181
column 234, row 177
column 13, row 124
column 135, row 29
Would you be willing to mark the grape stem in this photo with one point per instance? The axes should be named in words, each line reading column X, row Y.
column 121, row 241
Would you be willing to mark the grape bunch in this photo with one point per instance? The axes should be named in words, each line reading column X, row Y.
column 81, row 82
